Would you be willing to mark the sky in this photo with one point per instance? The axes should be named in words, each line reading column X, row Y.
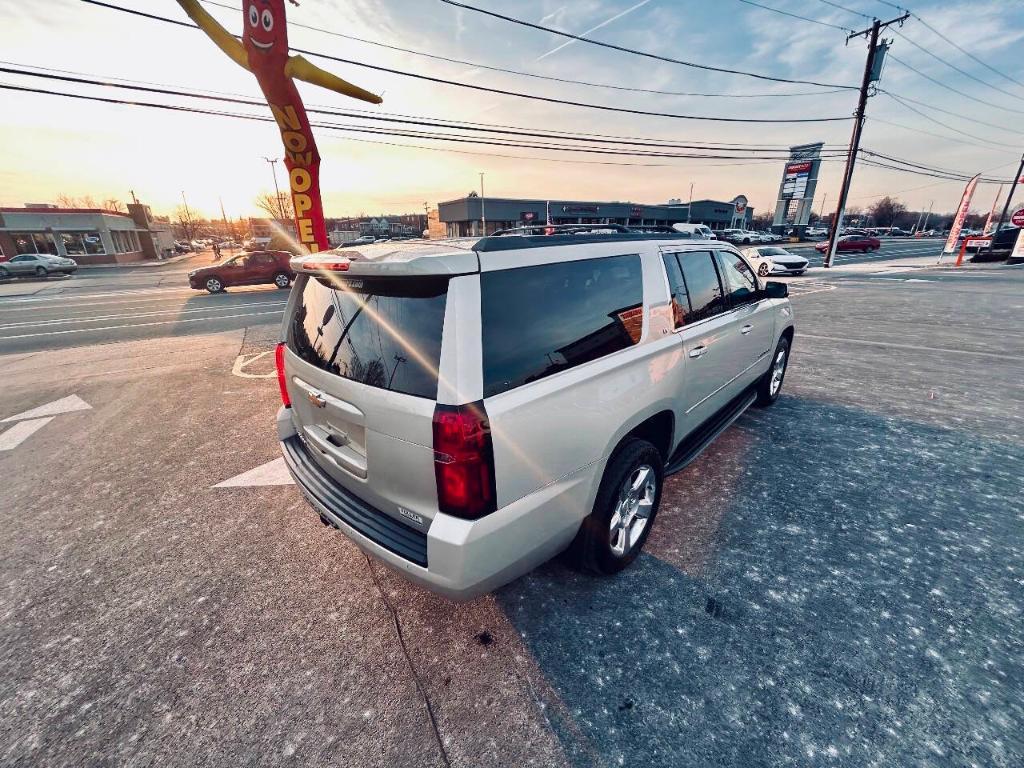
column 53, row 145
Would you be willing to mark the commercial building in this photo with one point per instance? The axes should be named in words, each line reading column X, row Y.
column 464, row 217
column 87, row 235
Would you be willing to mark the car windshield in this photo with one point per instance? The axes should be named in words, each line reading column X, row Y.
column 774, row 252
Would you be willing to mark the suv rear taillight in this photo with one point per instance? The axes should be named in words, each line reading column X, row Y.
column 281, row 377
column 464, row 460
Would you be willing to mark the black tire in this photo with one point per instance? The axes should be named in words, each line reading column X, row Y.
column 591, row 550
column 763, row 270
column 4, row 274
column 765, row 394
column 41, row 272
column 214, row 284
column 282, row 281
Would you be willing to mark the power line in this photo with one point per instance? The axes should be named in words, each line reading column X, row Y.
column 948, row 127
column 551, row 78
column 411, row 121
column 848, row 10
column 951, row 88
column 403, row 133
column 635, row 52
column 505, row 92
column 935, row 173
column 794, row 15
column 951, row 42
column 949, row 112
column 923, row 132
column 955, row 68
column 439, row 121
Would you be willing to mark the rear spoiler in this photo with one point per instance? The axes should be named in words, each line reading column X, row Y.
column 392, row 264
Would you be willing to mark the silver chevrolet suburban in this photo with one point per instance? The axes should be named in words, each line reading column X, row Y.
column 466, row 410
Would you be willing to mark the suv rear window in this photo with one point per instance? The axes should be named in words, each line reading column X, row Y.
column 383, row 332
column 538, row 321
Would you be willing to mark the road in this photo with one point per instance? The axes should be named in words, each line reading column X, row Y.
column 103, row 305
column 835, row 581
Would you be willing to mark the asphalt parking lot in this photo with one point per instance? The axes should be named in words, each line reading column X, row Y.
column 837, row 581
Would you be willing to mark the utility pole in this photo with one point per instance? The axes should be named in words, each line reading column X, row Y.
column 224, row 216
column 1009, row 196
column 689, row 205
column 277, row 190
column 821, row 215
column 483, row 209
column 872, row 72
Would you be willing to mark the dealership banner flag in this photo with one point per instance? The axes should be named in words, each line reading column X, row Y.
column 992, row 213
column 961, row 214
column 264, row 52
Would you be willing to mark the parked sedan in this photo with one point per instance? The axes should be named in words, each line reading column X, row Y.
column 854, row 243
column 39, row 264
column 773, row 260
column 256, row 268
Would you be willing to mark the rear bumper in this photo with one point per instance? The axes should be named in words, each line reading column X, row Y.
column 459, row 559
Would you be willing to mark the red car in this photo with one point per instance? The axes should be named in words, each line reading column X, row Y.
column 862, row 243
column 255, row 268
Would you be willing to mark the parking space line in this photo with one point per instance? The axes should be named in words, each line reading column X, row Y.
column 913, row 347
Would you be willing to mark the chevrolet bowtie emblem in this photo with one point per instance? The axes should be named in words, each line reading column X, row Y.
column 317, row 399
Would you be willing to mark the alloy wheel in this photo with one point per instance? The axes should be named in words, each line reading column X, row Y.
column 778, row 372
column 636, row 501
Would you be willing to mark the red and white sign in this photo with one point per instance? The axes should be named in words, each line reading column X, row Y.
column 1018, row 218
column 961, row 214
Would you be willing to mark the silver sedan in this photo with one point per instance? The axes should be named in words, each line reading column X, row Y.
column 39, row 264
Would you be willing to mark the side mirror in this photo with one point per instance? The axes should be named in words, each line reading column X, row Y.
column 776, row 290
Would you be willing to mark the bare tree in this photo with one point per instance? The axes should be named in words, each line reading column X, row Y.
column 186, row 221
column 886, row 211
column 114, row 205
column 276, row 209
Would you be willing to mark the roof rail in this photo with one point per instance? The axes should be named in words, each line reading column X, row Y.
column 578, row 229
column 543, row 235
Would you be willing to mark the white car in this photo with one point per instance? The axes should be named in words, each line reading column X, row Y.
column 815, row 233
column 504, row 399
column 696, row 231
column 773, row 260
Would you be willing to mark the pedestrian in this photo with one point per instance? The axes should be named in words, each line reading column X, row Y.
column 216, row 252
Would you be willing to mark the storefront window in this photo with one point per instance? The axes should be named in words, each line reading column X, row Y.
column 73, row 244
column 93, row 243
column 34, row 242
column 79, row 243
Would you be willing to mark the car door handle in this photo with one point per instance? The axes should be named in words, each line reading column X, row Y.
column 746, row 329
column 698, row 351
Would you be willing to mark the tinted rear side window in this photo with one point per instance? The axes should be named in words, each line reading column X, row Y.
column 385, row 332
column 540, row 320
column 702, row 283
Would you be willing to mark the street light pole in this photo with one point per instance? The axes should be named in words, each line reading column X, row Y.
column 689, row 205
column 277, row 190
column 483, row 208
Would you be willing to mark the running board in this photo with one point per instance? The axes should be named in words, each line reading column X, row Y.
column 694, row 445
